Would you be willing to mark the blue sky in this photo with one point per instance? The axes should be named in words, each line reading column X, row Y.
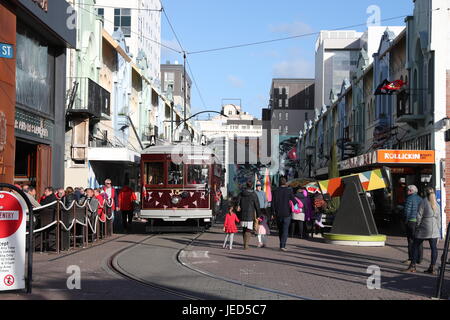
column 246, row 73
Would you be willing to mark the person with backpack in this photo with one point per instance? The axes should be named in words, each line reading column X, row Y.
column 298, row 215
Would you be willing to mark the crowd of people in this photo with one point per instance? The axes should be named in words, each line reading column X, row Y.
column 290, row 209
column 122, row 203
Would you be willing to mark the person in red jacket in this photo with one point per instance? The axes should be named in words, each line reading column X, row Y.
column 126, row 199
column 101, row 203
column 229, row 227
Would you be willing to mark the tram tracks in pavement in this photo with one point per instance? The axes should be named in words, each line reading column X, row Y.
column 114, row 267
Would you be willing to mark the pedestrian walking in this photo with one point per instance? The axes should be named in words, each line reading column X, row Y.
column 126, row 206
column 229, row 227
column 298, row 215
column 427, row 228
column 263, row 203
column 263, row 231
column 308, row 208
column 411, row 209
column 248, row 205
column 282, row 210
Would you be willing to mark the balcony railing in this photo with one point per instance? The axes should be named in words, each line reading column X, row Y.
column 86, row 96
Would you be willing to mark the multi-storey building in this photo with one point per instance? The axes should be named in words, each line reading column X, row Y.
column 32, row 90
column 291, row 105
column 235, row 137
column 402, row 133
column 140, row 22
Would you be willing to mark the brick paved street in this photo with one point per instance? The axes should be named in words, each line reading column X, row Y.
column 312, row 268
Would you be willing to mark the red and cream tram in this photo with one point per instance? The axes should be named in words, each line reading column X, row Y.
column 178, row 186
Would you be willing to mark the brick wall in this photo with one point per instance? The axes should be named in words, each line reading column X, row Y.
column 447, row 156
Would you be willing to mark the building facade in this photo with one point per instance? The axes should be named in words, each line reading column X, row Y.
column 403, row 132
column 140, row 22
column 33, row 91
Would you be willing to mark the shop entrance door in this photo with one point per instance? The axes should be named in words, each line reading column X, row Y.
column 25, row 163
column 44, row 168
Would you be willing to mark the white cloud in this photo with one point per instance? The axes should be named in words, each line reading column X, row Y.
column 294, row 68
column 293, row 29
column 235, row 81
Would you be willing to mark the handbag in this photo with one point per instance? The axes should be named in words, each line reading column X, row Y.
column 255, row 224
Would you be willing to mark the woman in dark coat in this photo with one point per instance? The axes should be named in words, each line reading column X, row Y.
column 248, row 206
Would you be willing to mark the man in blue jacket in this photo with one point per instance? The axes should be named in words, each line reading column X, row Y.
column 411, row 208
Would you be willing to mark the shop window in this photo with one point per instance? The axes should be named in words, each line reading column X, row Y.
column 175, row 175
column 35, row 65
column 198, row 174
column 154, row 173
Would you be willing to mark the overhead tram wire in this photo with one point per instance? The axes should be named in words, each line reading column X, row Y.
column 292, row 37
column 185, row 57
column 152, row 40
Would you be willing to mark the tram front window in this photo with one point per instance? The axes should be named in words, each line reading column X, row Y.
column 154, row 173
column 198, row 174
column 175, row 176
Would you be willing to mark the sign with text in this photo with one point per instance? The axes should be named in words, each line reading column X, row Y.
column 12, row 242
column 406, row 156
column 6, row 51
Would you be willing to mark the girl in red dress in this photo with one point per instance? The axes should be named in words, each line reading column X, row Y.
column 229, row 227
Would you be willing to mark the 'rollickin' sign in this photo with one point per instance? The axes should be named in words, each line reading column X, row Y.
column 12, row 242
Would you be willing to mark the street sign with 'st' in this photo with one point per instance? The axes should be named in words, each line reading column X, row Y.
column 6, row 51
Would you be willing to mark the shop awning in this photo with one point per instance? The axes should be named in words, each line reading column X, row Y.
column 113, row 155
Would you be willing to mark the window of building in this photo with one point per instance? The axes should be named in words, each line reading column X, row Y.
column 287, row 103
column 280, row 103
column 122, row 19
column 287, row 116
column 154, row 173
column 279, row 116
column 101, row 13
column 306, row 116
column 279, row 129
column 287, row 129
column 169, row 80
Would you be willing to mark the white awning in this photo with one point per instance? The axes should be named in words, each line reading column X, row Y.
column 113, row 155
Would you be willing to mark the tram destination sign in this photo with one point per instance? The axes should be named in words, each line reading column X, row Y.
column 6, row 51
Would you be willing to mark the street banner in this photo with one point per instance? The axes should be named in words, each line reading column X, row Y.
column 370, row 180
column 12, row 242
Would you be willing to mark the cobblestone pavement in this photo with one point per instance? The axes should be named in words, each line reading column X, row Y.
column 97, row 280
column 312, row 268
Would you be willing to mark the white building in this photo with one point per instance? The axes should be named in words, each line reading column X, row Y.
column 140, row 21
column 337, row 55
column 226, row 134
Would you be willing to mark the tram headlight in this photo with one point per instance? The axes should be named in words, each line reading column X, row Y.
column 176, row 200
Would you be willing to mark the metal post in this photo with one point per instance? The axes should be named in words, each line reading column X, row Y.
column 74, row 228
column 58, row 233
column 443, row 264
column 171, row 121
column 185, row 91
